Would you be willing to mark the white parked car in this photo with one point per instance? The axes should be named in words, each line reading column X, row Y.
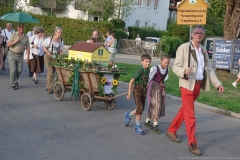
column 151, row 42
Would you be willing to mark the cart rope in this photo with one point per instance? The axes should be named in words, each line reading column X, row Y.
column 75, row 83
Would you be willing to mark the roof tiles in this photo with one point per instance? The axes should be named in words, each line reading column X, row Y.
column 84, row 46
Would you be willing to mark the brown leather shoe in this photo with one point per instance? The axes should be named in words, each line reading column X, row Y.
column 194, row 149
column 173, row 137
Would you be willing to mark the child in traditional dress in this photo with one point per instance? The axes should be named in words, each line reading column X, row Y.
column 139, row 92
column 156, row 93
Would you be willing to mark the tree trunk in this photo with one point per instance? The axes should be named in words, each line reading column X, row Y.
column 119, row 9
column 232, row 20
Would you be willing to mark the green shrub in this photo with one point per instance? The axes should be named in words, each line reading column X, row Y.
column 73, row 29
column 145, row 32
column 120, row 24
column 181, row 31
column 168, row 45
column 120, row 34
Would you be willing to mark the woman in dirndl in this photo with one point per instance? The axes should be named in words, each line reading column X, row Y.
column 37, row 53
column 156, row 93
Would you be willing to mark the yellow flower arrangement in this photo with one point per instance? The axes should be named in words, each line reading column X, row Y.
column 81, row 84
column 114, row 87
column 70, row 78
column 103, row 80
column 115, row 82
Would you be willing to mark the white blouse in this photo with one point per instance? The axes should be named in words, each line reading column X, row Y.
column 52, row 46
column 153, row 71
column 38, row 41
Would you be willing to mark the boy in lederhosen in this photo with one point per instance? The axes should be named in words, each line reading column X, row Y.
column 139, row 92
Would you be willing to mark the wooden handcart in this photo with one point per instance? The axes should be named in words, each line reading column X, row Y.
column 90, row 92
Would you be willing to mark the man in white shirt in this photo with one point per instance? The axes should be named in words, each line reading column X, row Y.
column 7, row 34
column 138, row 41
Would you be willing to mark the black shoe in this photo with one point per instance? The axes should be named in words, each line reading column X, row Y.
column 17, row 85
column 148, row 124
column 156, row 129
column 35, row 81
column 13, row 88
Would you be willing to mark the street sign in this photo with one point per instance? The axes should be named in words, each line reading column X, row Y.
column 191, row 12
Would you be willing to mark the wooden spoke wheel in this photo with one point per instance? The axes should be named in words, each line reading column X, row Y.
column 59, row 91
column 110, row 104
column 86, row 101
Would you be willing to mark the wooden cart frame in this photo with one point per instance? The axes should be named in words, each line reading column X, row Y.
column 90, row 93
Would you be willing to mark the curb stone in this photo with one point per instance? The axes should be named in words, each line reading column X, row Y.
column 201, row 105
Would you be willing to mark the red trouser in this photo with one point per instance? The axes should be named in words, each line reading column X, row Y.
column 186, row 113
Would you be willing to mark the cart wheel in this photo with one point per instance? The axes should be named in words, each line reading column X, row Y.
column 110, row 104
column 59, row 91
column 86, row 101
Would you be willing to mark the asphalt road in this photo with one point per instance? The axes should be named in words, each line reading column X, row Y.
column 35, row 126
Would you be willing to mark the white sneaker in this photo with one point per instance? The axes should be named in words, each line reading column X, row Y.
column 234, row 84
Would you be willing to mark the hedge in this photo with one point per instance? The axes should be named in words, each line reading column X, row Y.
column 145, row 32
column 73, row 29
column 168, row 45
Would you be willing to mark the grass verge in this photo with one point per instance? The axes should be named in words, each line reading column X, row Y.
column 229, row 100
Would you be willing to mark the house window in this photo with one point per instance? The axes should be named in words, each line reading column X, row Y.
column 95, row 18
column 100, row 52
column 139, row 2
column 146, row 24
column 148, row 3
column 137, row 23
column 155, row 5
column 153, row 25
column 76, row 5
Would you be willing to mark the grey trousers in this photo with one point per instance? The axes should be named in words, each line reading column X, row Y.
column 15, row 65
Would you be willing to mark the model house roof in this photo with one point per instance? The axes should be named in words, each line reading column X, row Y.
column 85, row 46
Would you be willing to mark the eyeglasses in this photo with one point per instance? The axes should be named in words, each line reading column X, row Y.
column 200, row 33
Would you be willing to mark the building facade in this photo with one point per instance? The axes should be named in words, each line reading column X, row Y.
column 147, row 13
column 150, row 13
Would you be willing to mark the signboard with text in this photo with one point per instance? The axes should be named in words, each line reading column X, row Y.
column 236, row 54
column 222, row 54
column 191, row 12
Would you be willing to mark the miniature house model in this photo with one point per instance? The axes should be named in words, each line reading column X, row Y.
column 90, row 52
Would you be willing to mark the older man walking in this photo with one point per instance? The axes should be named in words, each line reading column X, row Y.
column 17, row 43
column 191, row 79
